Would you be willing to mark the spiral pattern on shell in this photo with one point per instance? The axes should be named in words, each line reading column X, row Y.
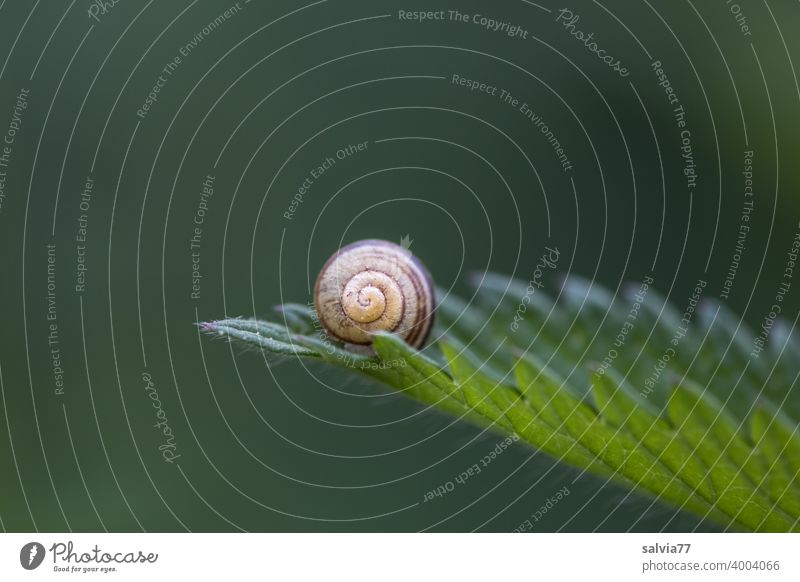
column 375, row 285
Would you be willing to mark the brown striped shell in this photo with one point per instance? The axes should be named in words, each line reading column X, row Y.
column 375, row 285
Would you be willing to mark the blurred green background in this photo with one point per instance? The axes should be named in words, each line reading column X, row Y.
column 261, row 97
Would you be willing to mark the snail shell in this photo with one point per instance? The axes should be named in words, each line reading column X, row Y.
column 375, row 285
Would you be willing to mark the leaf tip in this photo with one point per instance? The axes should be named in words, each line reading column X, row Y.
column 207, row 326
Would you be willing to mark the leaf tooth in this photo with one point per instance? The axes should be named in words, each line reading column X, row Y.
column 617, row 402
column 656, row 311
column 704, row 409
column 635, row 463
column 779, row 442
column 458, row 314
column 532, row 375
column 592, row 304
column 481, row 392
column 550, row 396
column 508, row 293
column 489, row 366
column 735, row 468
column 727, row 332
column 785, row 337
column 467, row 323
column 421, row 378
column 298, row 317
column 727, row 344
column 509, row 403
column 784, row 348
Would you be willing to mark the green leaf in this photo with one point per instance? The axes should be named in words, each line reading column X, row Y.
column 624, row 410
column 268, row 336
column 619, row 450
column 779, row 443
column 298, row 317
column 420, row 377
column 476, row 388
column 736, row 469
column 569, row 380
